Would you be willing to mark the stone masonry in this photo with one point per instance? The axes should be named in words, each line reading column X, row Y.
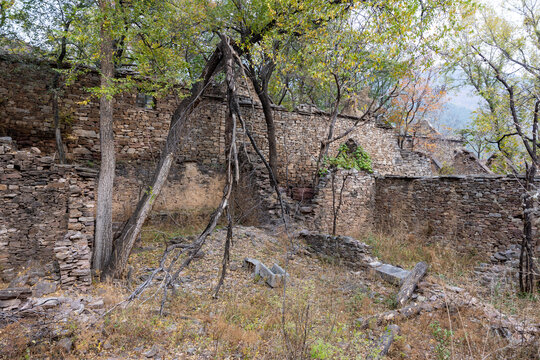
column 39, row 201
column 26, row 113
column 474, row 213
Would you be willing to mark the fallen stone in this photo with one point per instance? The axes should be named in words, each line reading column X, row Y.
column 152, row 352
column 15, row 293
column 96, row 304
column 392, row 274
column 273, row 278
column 19, row 281
column 66, row 344
column 267, row 275
column 252, row 264
column 48, row 302
column 10, row 304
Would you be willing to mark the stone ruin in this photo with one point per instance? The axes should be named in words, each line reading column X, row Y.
column 47, row 210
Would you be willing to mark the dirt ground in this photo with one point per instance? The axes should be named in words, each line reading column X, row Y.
column 314, row 318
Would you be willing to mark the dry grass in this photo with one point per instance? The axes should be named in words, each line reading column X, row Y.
column 469, row 335
column 323, row 300
column 406, row 250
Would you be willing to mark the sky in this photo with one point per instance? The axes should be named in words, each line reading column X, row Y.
column 465, row 96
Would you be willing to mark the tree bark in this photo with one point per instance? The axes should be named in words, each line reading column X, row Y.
column 132, row 228
column 104, row 235
column 56, row 96
column 527, row 268
column 262, row 92
column 410, row 283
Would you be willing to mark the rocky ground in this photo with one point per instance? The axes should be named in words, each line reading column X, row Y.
column 332, row 309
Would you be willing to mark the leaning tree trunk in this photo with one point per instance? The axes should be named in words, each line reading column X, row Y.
column 132, row 228
column 262, row 92
column 104, row 235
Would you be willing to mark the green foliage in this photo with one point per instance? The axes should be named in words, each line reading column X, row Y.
column 357, row 159
column 446, row 169
column 443, row 337
column 322, row 350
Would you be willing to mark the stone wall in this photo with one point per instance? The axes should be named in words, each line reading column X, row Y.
column 47, row 215
column 26, row 113
column 480, row 214
column 358, row 203
column 442, row 149
column 302, row 133
column 466, row 163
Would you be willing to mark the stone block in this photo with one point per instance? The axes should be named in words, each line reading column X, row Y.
column 392, row 274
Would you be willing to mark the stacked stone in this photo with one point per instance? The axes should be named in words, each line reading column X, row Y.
column 478, row 214
column 140, row 132
column 39, row 202
column 73, row 251
column 412, row 163
column 32, row 208
column 356, row 214
column 349, row 251
column 466, row 162
column 74, row 256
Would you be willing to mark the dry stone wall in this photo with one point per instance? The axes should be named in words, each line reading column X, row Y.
column 302, row 133
column 26, row 113
column 478, row 214
column 355, row 216
column 47, row 215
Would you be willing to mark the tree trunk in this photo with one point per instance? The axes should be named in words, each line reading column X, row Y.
column 526, row 260
column 410, row 283
column 131, row 230
column 56, row 115
column 271, row 132
column 104, row 234
column 262, row 92
column 56, row 96
column 325, row 144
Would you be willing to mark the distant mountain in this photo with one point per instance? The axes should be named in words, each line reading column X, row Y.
column 452, row 118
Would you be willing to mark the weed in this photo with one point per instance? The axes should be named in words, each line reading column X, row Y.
column 443, row 337
column 322, row 350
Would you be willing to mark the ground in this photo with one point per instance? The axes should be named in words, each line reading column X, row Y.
column 316, row 319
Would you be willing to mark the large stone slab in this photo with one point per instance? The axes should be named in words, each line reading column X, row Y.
column 392, row 274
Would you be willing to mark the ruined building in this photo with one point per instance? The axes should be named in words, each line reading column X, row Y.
column 47, row 210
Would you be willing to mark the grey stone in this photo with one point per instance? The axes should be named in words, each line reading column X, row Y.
column 96, row 304
column 43, row 288
column 66, row 344
column 276, row 269
column 392, row 274
column 500, row 256
column 152, row 352
column 19, row 281
column 265, row 273
column 252, row 264
column 10, row 304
